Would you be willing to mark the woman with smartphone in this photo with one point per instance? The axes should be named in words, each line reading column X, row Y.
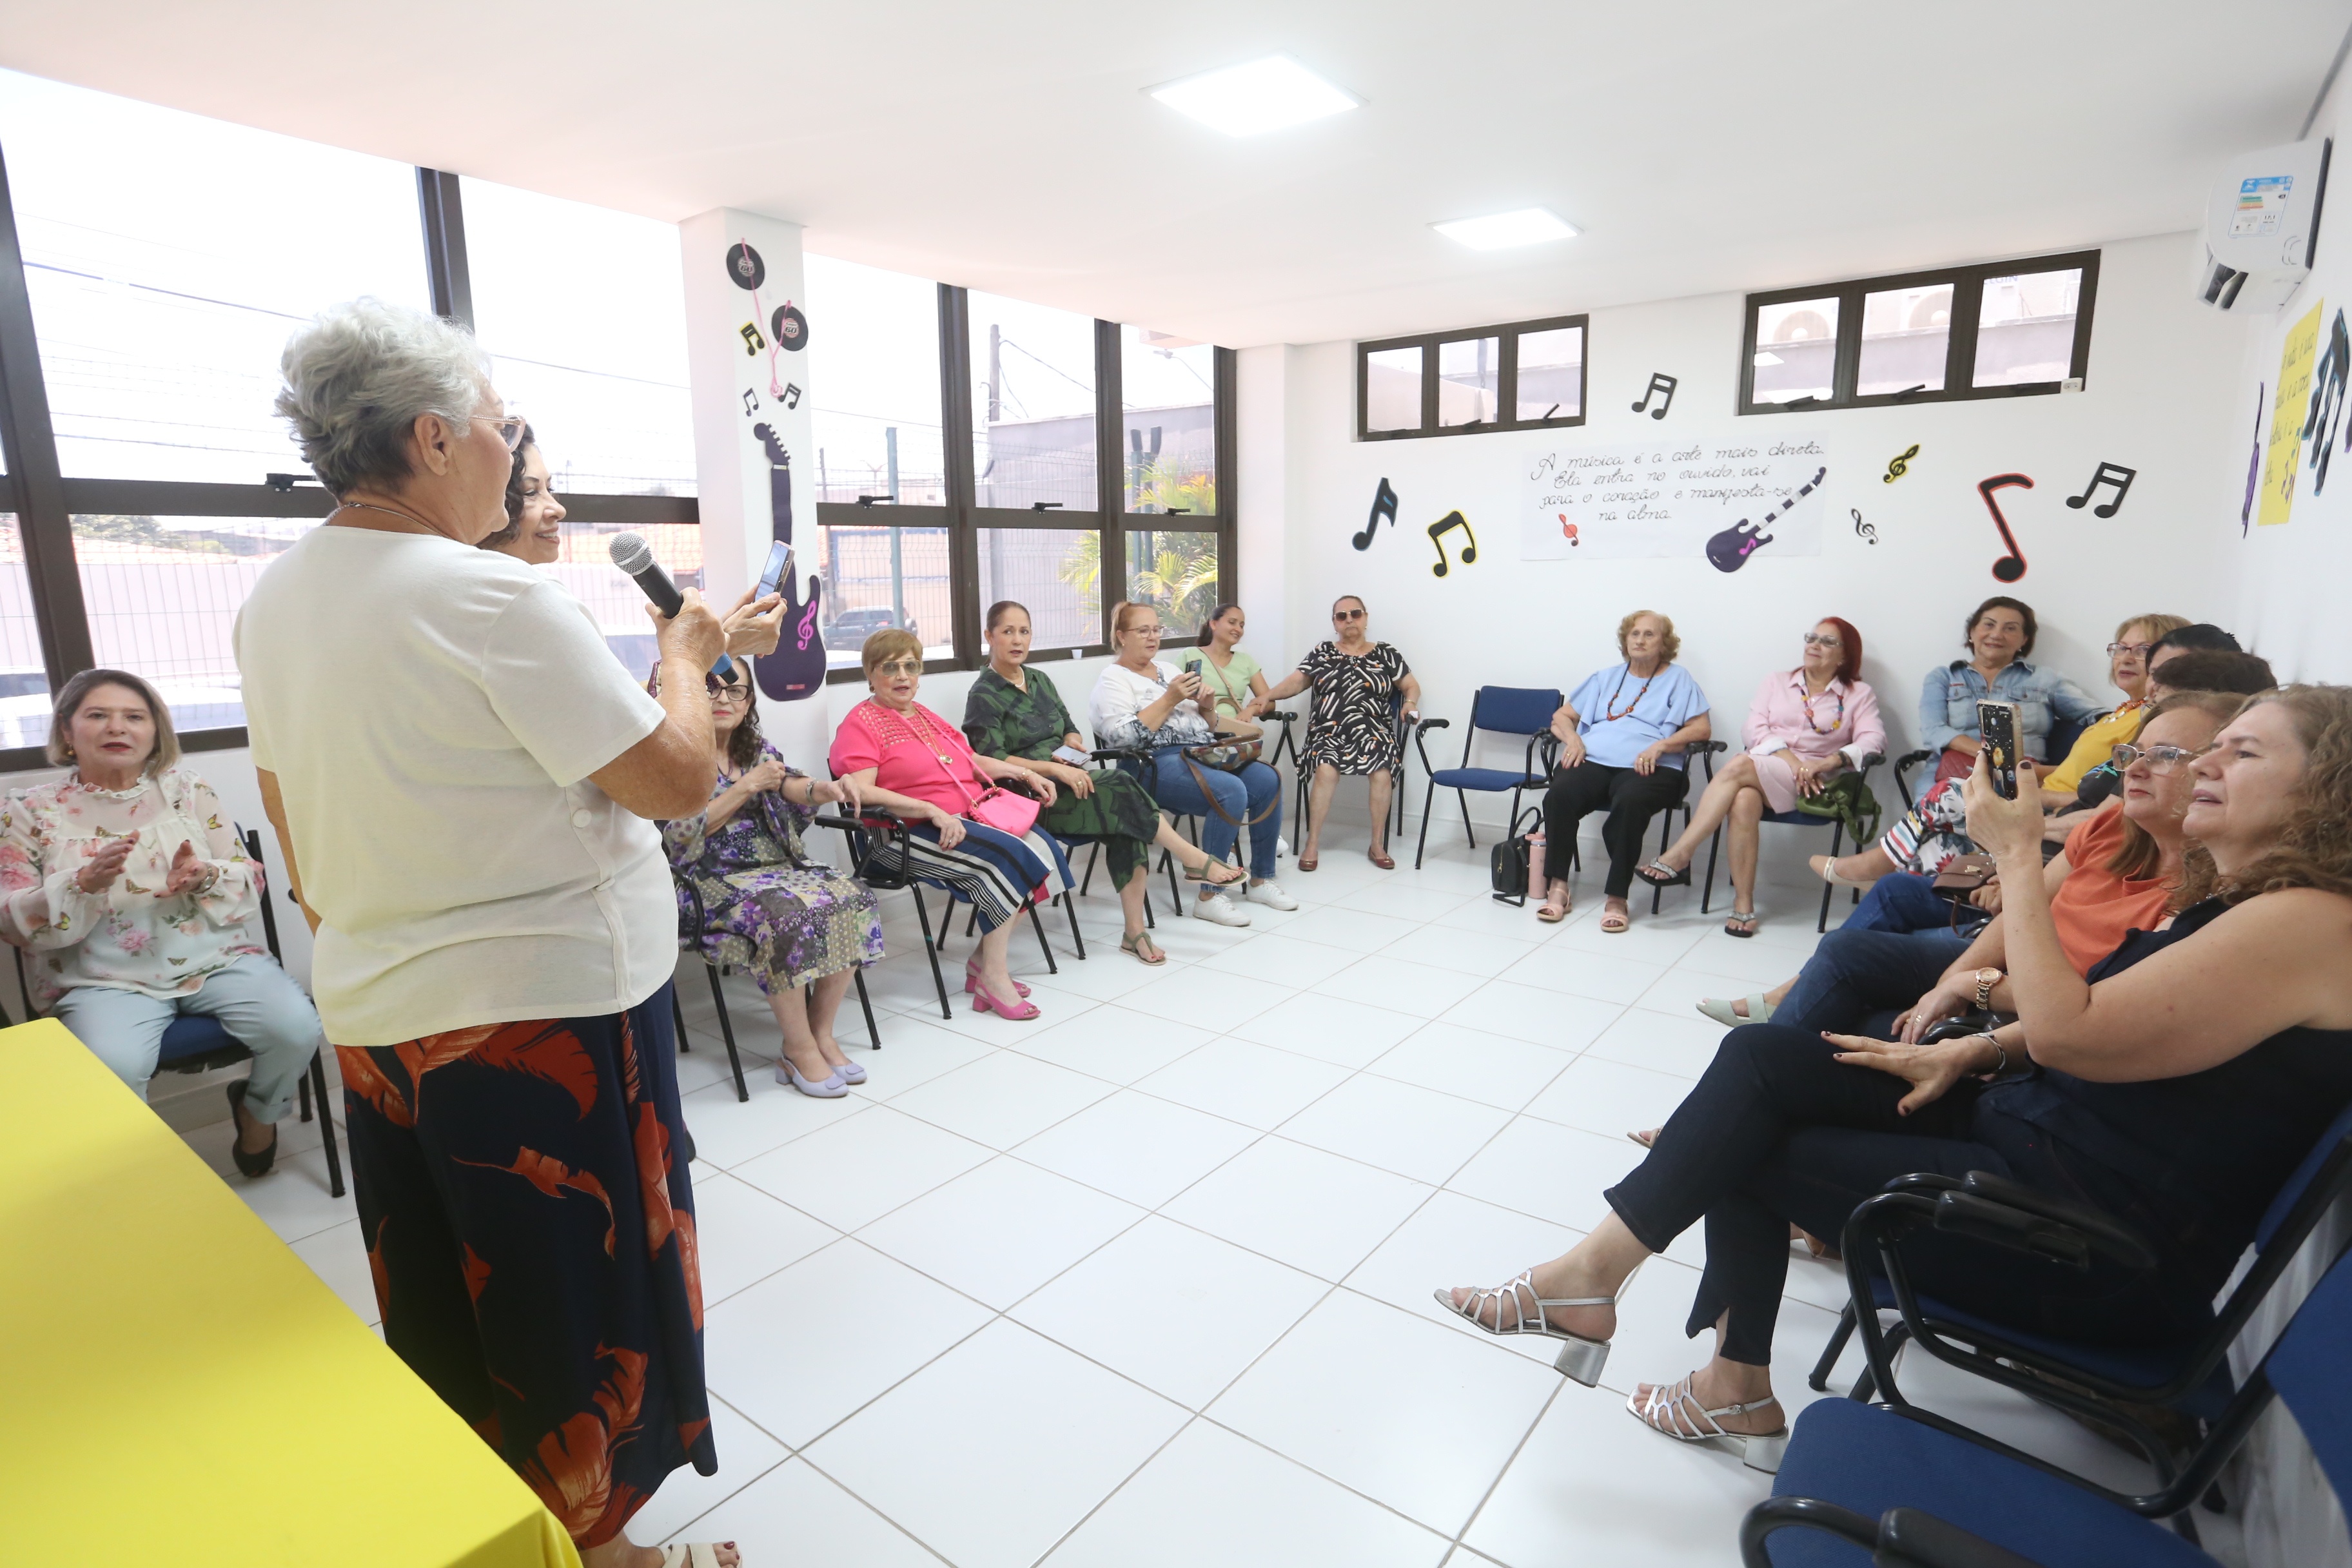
column 1014, row 715
column 1234, row 681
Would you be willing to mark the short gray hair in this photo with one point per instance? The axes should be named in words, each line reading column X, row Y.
column 360, row 374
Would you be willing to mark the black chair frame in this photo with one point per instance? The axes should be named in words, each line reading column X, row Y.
column 1304, row 776
column 1705, row 751
column 1541, row 754
column 865, row 836
column 1870, row 760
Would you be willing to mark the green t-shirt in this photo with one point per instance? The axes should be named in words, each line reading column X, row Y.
column 1231, row 685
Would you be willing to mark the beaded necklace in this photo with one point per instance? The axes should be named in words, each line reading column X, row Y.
column 1834, row 723
column 1611, row 713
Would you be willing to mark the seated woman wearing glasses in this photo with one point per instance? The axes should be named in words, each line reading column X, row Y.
column 1361, row 687
column 767, row 907
column 1806, row 725
column 896, row 756
column 1015, row 716
column 2175, row 1086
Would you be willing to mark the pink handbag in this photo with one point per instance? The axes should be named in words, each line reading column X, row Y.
column 994, row 806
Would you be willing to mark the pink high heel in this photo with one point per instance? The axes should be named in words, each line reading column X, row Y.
column 971, row 981
column 981, row 1002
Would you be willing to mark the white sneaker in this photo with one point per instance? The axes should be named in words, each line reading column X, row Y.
column 1269, row 893
column 1218, row 909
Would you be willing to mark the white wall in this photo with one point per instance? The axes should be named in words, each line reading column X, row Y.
column 2159, row 398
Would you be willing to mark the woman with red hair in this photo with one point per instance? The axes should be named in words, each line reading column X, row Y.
column 1806, row 724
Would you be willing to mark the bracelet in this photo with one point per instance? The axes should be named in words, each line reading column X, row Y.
column 2002, row 1065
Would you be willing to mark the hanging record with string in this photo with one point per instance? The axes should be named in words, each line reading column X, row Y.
column 789, row 328
column 744, row 268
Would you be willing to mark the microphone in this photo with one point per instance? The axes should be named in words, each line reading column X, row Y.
column 632, row 554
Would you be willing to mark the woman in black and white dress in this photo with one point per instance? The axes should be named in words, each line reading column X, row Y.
column 1352, row 728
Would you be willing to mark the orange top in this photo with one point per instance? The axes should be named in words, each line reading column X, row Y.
column 2094, row 907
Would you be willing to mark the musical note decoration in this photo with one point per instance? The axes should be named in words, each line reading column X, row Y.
column 791, row 328
column 2114, row 474
column 2326, row 402
column 1384, row 505
column 791, row 395
column 744, row 268
column 1900, row 465
column 1660, row 383
column 1568, row 529
column 1862, row 530
column 2254, row 463
column 1729, row 551
column 750, row 403
column 2011, row 566
column 1448, row 524
column 752, row 342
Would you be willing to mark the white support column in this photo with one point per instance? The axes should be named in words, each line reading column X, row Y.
column 739, row 380
column 1262, row 461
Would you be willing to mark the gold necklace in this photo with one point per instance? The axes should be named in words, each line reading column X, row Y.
column 388, row 512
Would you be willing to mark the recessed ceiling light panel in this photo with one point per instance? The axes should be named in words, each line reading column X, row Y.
column 1500, row 231
column 1248, row 99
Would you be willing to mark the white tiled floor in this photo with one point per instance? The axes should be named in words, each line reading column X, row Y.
column 1148, row 1282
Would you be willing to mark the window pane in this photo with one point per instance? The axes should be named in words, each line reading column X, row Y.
column 1551, row 374
column 169, row 255
column 592, row 349
column 1033, row 404
column 1176, row 573
column 1796, row 351
column 1168, row 391
column 1469, row 384
column 24, row 679
column 615, row 602
column 163, row 592
column 874, row 360
column 2025, row 328
column 1056, row 574
column 877, row 578
column 1392, row 389
column 1905, row 332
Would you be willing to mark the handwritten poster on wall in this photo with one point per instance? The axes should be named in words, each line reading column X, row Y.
column 2285, row 447
column 1676, row 498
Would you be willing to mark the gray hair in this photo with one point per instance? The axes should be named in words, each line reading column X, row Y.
column 60, row 750
column 360, row 374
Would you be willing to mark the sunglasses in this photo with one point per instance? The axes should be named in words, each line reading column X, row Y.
column 898, row 667
column 1347, row 615
column 2159, row 758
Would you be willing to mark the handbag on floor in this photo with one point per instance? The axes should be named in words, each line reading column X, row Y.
column 1513, row 864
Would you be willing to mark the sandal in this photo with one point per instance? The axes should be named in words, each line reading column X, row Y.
column 1615, row 923
column 1142, row 948
column 1380, row 858
column 1580, row 1358
column 702, row 1554
column 1647, row 1138
column 1658, row 874
column 1552, row 914
column 1208, row 873
column 1675, row 1412
column 1726, row 1013
column 1737, row 924
column 1308, row 862
column 1825, row 867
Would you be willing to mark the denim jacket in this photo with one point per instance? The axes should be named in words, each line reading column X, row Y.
column 1949, row 698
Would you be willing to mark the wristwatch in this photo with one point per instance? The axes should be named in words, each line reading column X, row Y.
column 1985, row 980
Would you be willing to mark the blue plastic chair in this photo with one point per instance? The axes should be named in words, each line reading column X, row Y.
column 1523, row 712
column 1862, row 1484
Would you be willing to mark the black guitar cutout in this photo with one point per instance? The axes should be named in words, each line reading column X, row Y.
column 1729, row 551
column 796, row 669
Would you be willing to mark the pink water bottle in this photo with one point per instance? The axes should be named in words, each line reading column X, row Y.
column 1536, row 864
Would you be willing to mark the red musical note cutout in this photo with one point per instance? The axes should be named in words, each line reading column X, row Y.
column 2011, row 566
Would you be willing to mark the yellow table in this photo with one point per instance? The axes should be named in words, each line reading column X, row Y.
column 175, row 1387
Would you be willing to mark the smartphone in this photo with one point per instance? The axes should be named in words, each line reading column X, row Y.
column 1071, row 755
column 1997, row 729
column 779, row 567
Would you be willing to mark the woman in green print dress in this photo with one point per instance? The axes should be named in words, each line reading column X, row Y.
column 1013, row 714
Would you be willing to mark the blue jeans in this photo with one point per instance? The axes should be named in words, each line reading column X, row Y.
column 257, row 1001
column 1904, row 902
column 1242, row 796
column 1856, row 977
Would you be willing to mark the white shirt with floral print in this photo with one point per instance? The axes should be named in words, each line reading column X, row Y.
column 131, row 937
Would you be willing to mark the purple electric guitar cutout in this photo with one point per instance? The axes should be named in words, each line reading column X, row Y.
column 1729, row 551
column 796, row 669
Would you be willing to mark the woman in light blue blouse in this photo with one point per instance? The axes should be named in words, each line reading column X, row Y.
column 1999, row 636
column 1622, row 738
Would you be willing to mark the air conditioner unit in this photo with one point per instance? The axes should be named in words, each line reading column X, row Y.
column 2261, row 227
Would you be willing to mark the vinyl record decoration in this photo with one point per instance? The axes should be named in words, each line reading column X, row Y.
column 744, row 268
column 789, row 328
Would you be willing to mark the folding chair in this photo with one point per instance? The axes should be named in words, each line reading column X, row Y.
column 195, row 1044
column 1836, row 825
column 1522, row 712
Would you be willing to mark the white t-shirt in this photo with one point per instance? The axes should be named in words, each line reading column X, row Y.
column 432, row 713
column 1120, row 695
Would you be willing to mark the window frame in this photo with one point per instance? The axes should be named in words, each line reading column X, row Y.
column 1967, row 284
column 1507, row 380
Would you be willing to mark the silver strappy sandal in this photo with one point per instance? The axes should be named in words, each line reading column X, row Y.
column 1675, row 1412
column 1580, row 1358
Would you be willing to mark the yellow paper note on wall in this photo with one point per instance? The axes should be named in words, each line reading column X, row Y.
column 2282, row 459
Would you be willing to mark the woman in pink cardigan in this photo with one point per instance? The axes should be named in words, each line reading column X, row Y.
column 1806, row 724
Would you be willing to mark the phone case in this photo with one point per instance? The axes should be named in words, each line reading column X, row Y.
column 1997, row 729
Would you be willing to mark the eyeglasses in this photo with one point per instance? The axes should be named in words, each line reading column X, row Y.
column 732, row 690
column 1151, row 631
column 1815, row 639
column 898, row 667
column 1347, row 615
column 2159, row 758
column 511, row 427
column 2141, row 649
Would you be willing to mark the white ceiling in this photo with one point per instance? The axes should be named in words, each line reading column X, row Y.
column 1700, row 144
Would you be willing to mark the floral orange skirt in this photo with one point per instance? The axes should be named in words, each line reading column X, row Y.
column 532, row 1234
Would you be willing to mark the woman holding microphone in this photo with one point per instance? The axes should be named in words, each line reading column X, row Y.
column 463, row 779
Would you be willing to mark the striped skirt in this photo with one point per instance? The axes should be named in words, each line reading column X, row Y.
column 997, row 874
